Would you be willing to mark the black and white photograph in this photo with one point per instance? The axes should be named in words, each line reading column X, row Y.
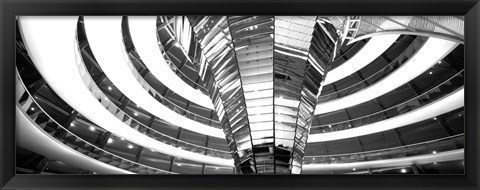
column 235, row 95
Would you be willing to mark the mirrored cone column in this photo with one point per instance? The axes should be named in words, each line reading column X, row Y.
column 264, row 75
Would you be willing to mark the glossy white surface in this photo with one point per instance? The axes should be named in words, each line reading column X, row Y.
column 443, row 105
column 143, row 31
column 431, row 52
column 106, row 41
column 37, row 140
column 406, row 161
column 51, row 44
column 371, row 51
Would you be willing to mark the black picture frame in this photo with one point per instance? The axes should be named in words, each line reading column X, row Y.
column 9, row 9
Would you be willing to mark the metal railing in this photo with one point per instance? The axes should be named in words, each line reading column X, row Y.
column 139, row 126
column 389, row 68
column 27, row 103
column 168, row 103
column 429, row 147
column 164, row 100
column 450, row 85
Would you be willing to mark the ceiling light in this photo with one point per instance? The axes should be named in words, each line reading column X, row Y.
column 130, row 146
column 110, row 140
column 354, row 169
column 105, row 98
column 439, row 62
column 434, row 118
column 72, row 124
column 92, row 128
column 122, row 139
column 179, row 164
column 136, row 114
column 430, row 72
column 434, row 152
column 32, row 108
column 459, row 114
column 404, row 171
column 330, row 126
column 251, row 27
column 109, row 88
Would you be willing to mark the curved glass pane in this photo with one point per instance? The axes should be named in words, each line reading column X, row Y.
column 445, row 88
column 27, row 103
column 408, row 53
column 423, row 148
column 165, row 101
column 133, row 56
column 139, row 126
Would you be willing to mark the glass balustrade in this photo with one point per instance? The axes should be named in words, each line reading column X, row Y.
column 165, row 101
column 408, row 53
column 173, row 67
column 448, row 86
column 429, row 147
column 133, row 56
column 27, row 103
column 139, row 126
